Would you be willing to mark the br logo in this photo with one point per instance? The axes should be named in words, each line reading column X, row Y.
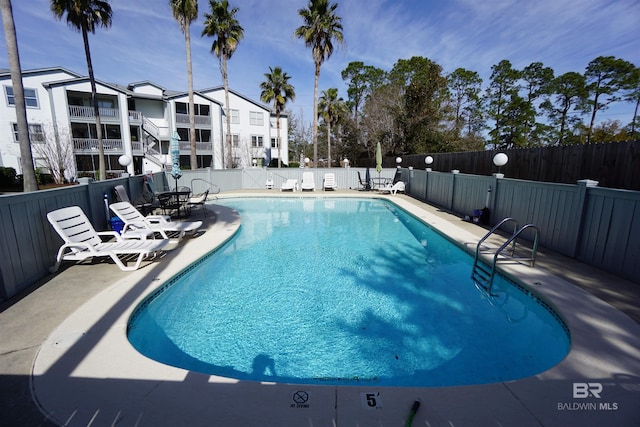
column 584, row 390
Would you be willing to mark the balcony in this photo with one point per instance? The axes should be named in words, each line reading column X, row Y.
column 79, row 112
column 90, row 146
column 200, row 120
column 201, row 148
column 135, row 117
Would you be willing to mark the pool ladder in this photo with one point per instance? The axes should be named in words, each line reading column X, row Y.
column 483, row 274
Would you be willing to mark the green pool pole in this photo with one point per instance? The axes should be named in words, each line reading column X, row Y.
column 414, row 410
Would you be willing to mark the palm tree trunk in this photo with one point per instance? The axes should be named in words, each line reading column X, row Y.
column 315, row 115
column 329, row 143
column 94, row 100
column 228, row 110
column 26, row 157
column 192, row 118
column 278, row 136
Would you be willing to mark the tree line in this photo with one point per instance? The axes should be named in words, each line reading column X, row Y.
column 418, row 108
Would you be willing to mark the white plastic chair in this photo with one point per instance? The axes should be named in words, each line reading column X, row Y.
column 307, row 182
column 329, row 182
column 134, row 221
column 289, row 185
column 81, row 241
column 393, row 189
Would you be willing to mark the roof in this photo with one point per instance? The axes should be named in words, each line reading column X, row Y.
column 239, row 95
column 4, row 72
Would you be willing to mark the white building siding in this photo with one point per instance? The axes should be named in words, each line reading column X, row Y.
column 59, row 90
column 41, row 115
column 245, row 130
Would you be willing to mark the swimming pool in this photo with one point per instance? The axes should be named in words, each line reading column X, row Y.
column 344, row 291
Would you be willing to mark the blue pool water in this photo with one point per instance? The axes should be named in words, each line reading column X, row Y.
column 344, row 291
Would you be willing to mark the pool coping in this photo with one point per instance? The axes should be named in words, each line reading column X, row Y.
column 87, row 372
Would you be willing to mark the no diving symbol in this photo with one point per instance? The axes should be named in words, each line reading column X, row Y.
column 300, row 397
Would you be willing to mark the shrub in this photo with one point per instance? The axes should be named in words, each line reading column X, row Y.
column 7, row 177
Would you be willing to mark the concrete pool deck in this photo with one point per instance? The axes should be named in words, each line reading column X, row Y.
column 64, row 346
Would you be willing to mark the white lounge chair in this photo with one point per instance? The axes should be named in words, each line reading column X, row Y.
column 289, row 185
column 307, row 182
column 393, row 189
column 81, row 241
column 121, row 194
column 329, row 182
column 135, row 222
column 198, row 200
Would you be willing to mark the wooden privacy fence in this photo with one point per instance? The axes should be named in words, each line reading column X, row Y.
column 598, row 226
column 613, row 165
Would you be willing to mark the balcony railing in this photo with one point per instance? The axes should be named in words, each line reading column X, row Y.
column 135, row 117
column 200, row 120
column 82, row 112
column 201, row 147
column 90, row 145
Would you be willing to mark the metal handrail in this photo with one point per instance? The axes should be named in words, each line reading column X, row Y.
column 531, row 260
column 213, row 189
column 493, row 230
column 510, row 241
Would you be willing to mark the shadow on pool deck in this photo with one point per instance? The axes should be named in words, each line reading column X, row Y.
column 27, row 321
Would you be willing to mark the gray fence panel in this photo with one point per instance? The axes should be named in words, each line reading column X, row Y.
column 610, row 237
column 256, row 178
column 553, row 208
column 28, row 244
column 418, row 184
column 470, row 193
column 440, row 189
column 595, row 225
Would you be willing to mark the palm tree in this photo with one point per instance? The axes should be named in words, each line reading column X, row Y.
column 185, row 12
column 277, row 89
column 26, row 158
column 222, row 25
column 321, row 27
column 331, row 109
column 84, row 15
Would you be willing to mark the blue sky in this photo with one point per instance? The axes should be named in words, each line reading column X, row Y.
column 145, row 43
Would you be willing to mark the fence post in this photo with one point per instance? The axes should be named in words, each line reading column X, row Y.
column 583, row 184
column 454, row 173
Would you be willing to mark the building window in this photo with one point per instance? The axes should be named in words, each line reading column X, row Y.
column 199, row 109
column 235, row 140
column 256, row 141
column 105, row 103
column 202, row 135
column 235, row 116
column 256, row 118
column 36, row 134
column 30, row 97
column 182, row 108
column 88, row 131
column 202, row 110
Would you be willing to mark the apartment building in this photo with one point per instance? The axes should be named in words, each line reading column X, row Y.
column 137, row 121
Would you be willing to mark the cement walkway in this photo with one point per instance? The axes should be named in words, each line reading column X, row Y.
column 69, row 333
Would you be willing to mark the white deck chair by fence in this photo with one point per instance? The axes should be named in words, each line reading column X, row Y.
column 393, row 189
column 329, row 182
column 134, row 221
column 308, row 182
column 289, row 185
column 82, row 241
